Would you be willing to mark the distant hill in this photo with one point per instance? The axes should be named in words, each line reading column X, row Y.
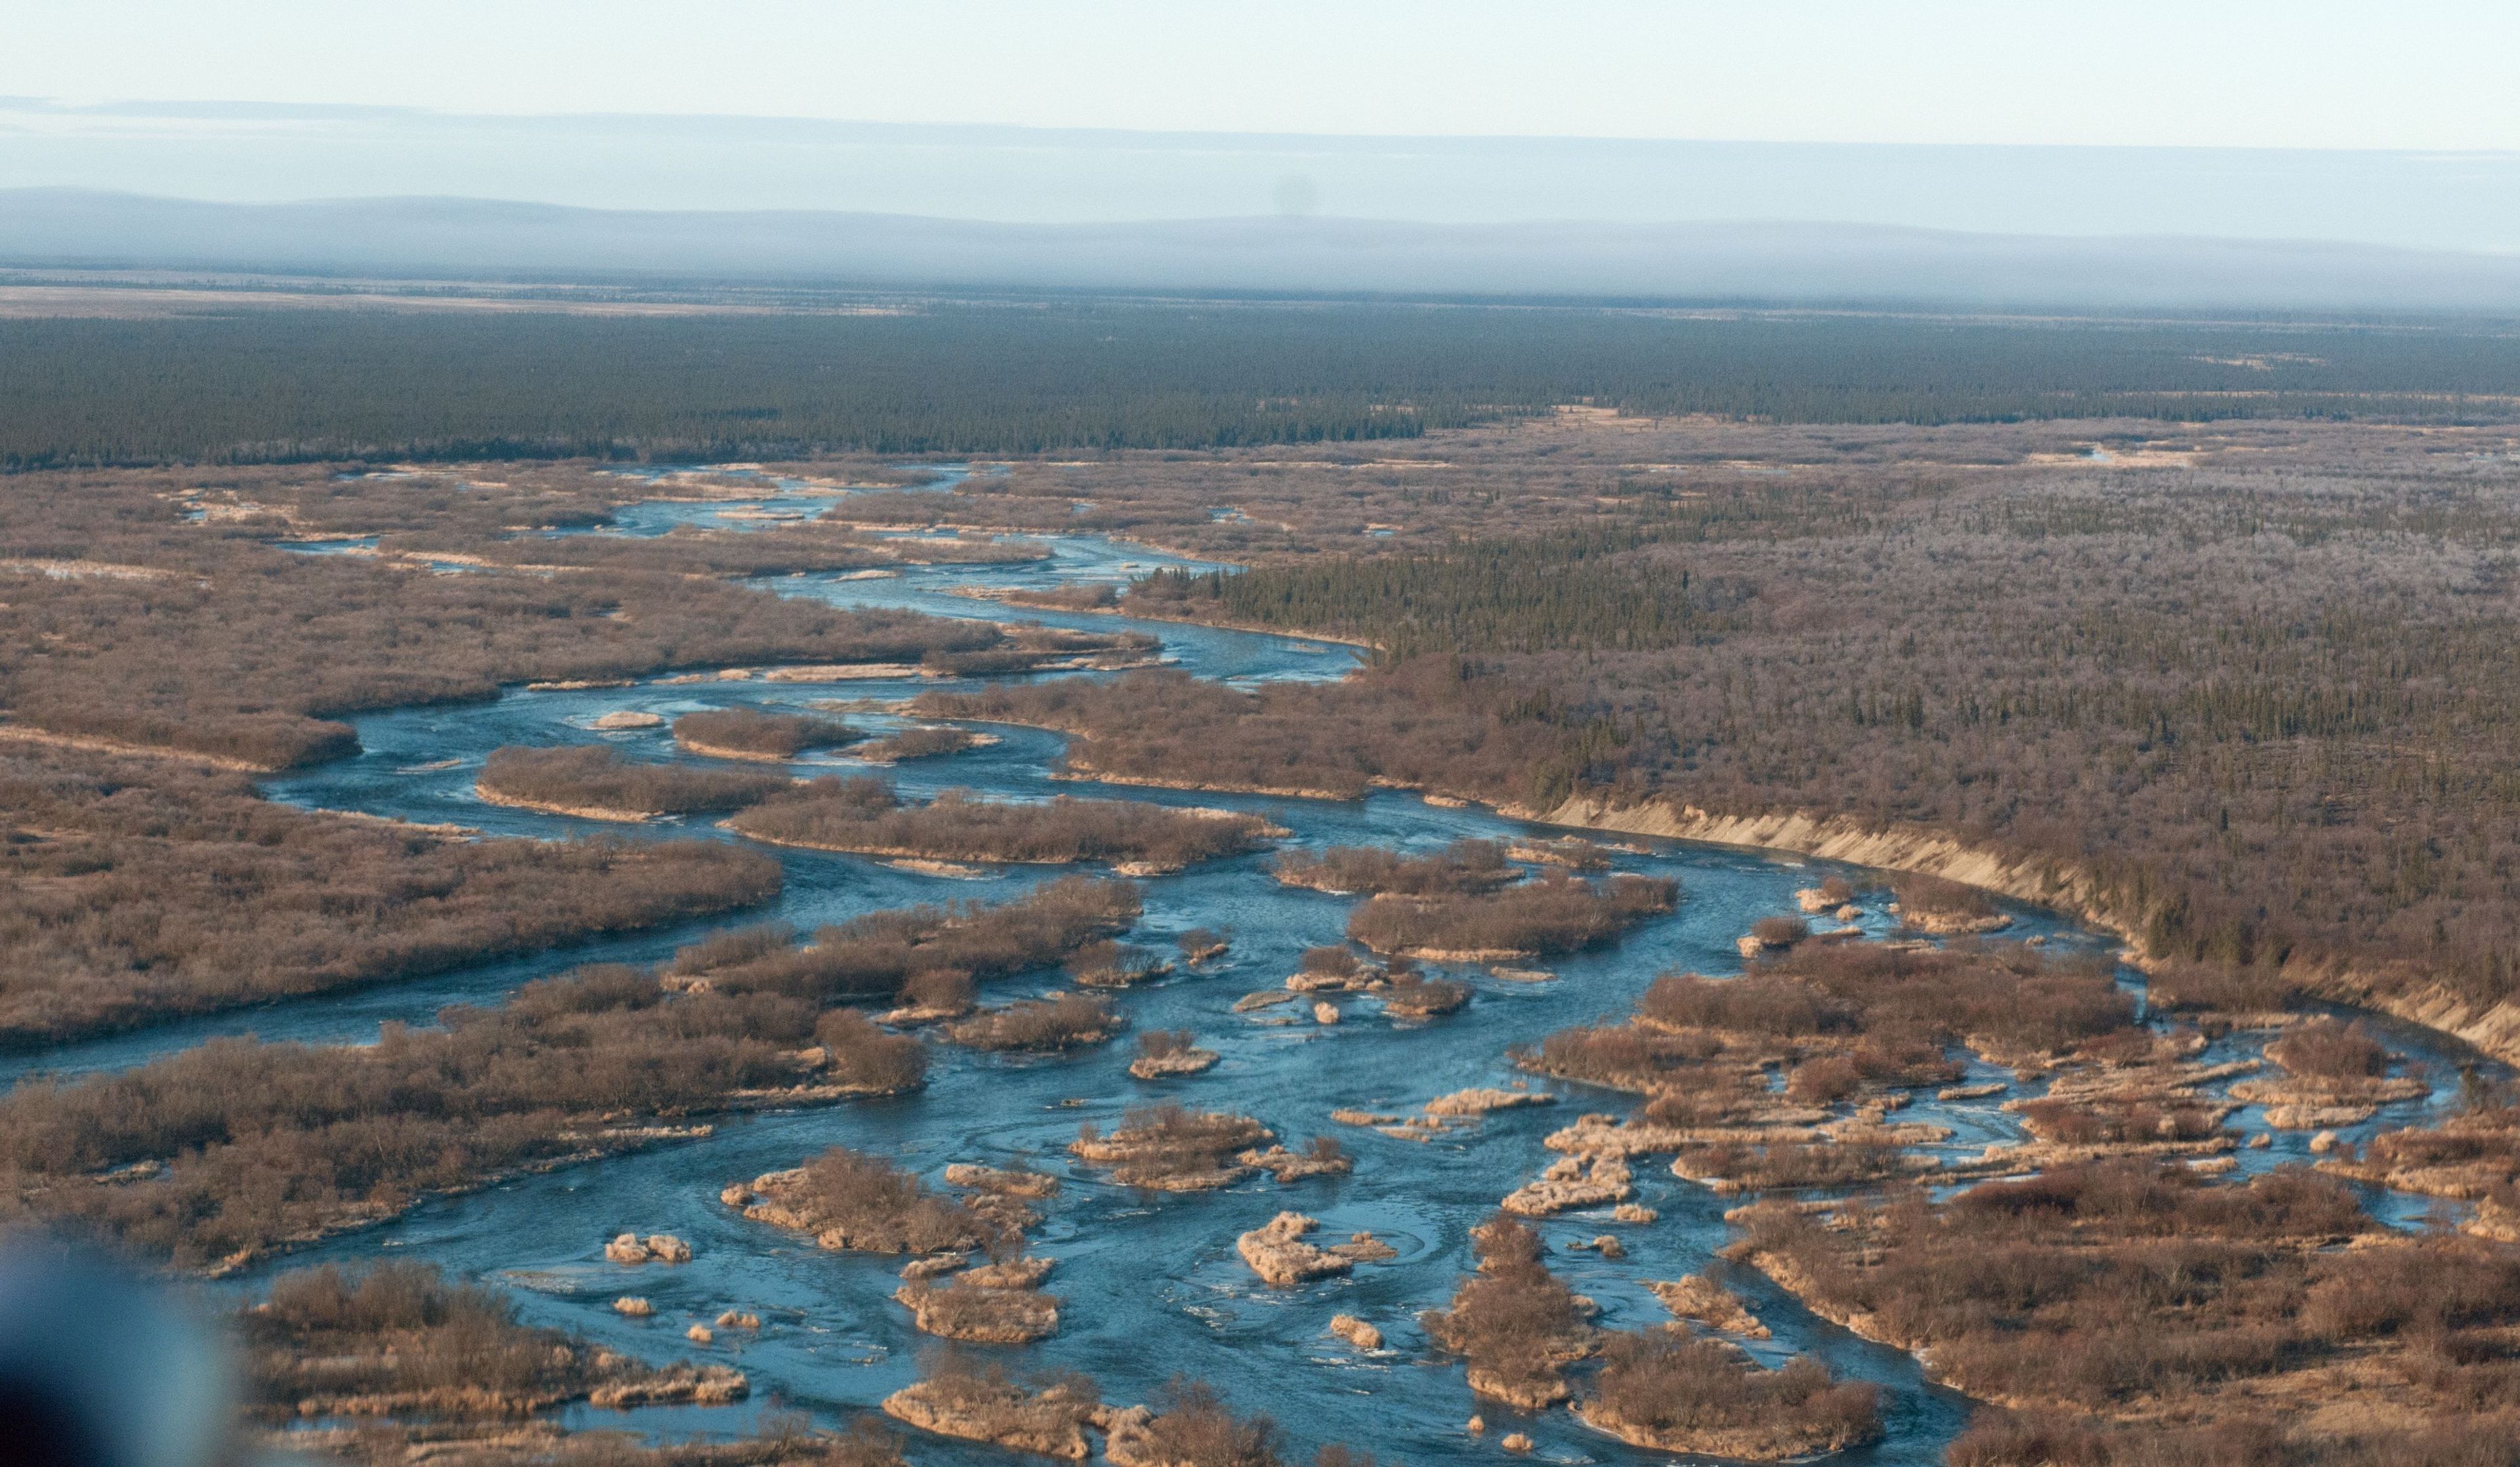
column 1749, row 261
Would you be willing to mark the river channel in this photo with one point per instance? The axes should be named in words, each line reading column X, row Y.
column 1151, row 1288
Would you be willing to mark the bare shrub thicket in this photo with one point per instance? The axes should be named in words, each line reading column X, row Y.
column 1516, row 1324
column 883, row 1209
column 401, row 1330
column 873, row 957
column 1464, row 865
column 756, row 734
column 917, row 743
column 1550, row 914
column 1658, row 1384
column 1066, row 1022
column 600, row 778
column 2094, row 1287
column 864, row 815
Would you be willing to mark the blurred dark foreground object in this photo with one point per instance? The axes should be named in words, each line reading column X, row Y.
column 98, row 1368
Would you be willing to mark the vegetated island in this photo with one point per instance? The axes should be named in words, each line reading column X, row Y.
column 1555, row 912
column 752, row 733
column 1464, row 867
column 863, row 816
column 922, row 743
column 849, row 1200
column 598, row 782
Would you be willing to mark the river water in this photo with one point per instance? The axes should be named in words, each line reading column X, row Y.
column 1154, row 1288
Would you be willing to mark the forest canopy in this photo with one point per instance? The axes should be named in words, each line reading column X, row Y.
column 974, row 378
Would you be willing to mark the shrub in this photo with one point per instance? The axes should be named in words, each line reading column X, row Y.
column 1920, row 895
column 1824, row 1080
column 882, row 1208
column 1065, row 1022
column 1411, row 995
column 1163, row 1044
column 862, row 1054
column 917, row 743
column 1192, row 1428
column 1464, row 865
column 1553, row 913
column 2330, row 1050
column 1514, row 1320
column 749, row 733
column 864, row 815
column 947, row 991
column 1756, row 1002
column 595, row 777
column 1667, row 1382
column 1779, row 931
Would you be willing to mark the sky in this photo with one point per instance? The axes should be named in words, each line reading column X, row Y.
column 2409, row 75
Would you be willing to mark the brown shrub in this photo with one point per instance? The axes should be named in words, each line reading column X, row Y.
column 863, row 815
column 875, row 955
column 1415, row 997
column 1759, row 1001
column 862, row 1054
column 754, row 733
column 399, row 1328
column 948, row 991
column 1065, row 1022
column 1667, row 1382
column 1332, row 962
column 1163, row 1044
column 2226, row 988
column 1169, row 1142
column 1464, row 865
column 1111, row 964
column 597, row 776
column 2330, row 1050
column 1824, row 1080
column 1514, row 1320
column 1779, row 931
column 917, row 743
column 1192, row 1428
column 1553, row 913
column 159, row 890
column 882, row 1208
column 1920, row 895
column 265, row 1141
column 1622, row 1058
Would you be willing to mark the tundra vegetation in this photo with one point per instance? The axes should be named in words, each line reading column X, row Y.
column 2260, row 753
